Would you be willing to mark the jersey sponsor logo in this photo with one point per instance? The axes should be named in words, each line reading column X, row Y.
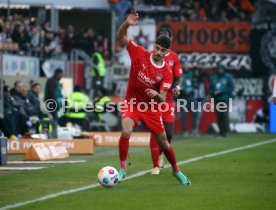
column 145, row 79
column 166, row 85
column 170, row 62
column 180, row 71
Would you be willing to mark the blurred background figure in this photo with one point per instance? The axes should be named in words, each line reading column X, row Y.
column 70, row 39
column 98, row 71
column 221, row 88
column 194, row 91
column 53, row 92
column 100, row 101
column 262, row 117
column 33, row 97
column 8, row 123
column 77, row 102
column 201, row 88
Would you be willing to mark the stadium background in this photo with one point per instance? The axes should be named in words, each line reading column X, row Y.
column 233, row 173
column 240, row 40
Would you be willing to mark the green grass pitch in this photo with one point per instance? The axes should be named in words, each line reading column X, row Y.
column 242, row 180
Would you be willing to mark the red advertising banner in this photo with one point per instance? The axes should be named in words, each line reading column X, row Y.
column 202, row 36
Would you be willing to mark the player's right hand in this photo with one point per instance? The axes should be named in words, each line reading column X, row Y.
column 132, row 18
column 151, row 93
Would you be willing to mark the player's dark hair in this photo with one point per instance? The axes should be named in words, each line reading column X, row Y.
column 163, row 41
column 164, row 31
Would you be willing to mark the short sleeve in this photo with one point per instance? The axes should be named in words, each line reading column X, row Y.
column 177, row 68
column 134, row 50
column 166, row 83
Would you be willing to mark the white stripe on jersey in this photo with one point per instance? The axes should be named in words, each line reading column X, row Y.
column 166, row 85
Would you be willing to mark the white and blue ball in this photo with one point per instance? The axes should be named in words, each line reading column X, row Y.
column 108, row 176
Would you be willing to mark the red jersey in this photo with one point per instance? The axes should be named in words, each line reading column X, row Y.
column 145, row 74
column 173, row 61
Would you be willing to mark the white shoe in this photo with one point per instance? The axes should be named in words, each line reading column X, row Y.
column 196, row 133
column 186, row 134
column 155, row 171
column 161, row 161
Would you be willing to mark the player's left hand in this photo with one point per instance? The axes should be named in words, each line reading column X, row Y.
column 132, row 18
column 151, row 93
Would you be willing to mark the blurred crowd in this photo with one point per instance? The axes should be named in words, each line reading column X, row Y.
column 22, row 104
column 211, row 10
column 40, row 40
column 25, row 113
column 21, row 108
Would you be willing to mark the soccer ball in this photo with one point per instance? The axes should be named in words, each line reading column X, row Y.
column 108, row 176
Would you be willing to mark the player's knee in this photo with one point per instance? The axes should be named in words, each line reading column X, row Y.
column 165, row 146
column 126, row 133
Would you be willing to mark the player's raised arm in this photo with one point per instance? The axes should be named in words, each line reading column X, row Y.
column 131, row 19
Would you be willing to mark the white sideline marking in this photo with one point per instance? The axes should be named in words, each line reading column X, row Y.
column 47, row 161
column 20, row 168
column 54, row 195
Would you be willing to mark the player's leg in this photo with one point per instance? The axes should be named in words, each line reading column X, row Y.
column 156, row 152
column 167, row 149
column 153, row 122
column 168, row 121
column 169, row 128
column 170, row 155
column 154, row 149
column 127, row 127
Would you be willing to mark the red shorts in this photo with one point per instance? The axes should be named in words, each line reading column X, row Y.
column 168, row 114
column 152, row 120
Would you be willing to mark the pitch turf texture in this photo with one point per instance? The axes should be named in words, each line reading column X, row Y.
column 244, row 180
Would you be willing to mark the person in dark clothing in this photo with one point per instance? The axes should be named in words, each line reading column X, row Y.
column 86, row 41
column 221, row 88
column 8, row 123
column 33, row 97
column 25, row 102
column 16, row 91
column 19, row 111
column 53, row 93
column 70, row 39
